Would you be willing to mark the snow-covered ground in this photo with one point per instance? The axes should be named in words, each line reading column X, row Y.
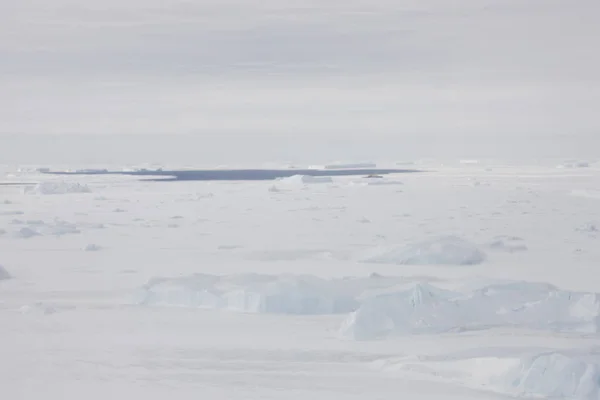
column 474, row 280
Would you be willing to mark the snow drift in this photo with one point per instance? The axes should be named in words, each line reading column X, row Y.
column 428, row 309
column 47, row 188
column 444, row 250
column 564, row 375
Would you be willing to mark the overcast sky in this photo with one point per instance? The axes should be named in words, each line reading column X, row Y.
column 353, row 68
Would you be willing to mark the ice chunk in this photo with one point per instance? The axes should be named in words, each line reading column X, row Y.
column 445, row 250
column 9, row 213
column 4, row 275
column 92, row 247
column 574, row 164
column 297, row 180
column 556, row 375
column 26, row 233
column 509, row 244
column 281, row 294
column 420, row 308
column 426, row 309
column 251, row 293
column 339, row 165
column 40, row 228
column 384, row 182
column 47, row 188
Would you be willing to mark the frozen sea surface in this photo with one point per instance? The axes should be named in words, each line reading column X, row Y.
column 336, row 289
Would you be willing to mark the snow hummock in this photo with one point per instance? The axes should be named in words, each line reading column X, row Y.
column 46, row 188
column 4, row 275
column 554, row 374
column 427, row 309
column 443, row 250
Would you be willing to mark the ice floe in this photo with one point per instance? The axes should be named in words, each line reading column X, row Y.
column 48, row 188
column 443, row 250
column 428, row 309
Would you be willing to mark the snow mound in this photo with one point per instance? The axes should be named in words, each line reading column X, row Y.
column 253, row 293
column 509, row 244
column 426, row 309
column 557, row 375
column 46, row 188
column 92, row 247
column 445, row 250
column 4, row 275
